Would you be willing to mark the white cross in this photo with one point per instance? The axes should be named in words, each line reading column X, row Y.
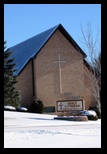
column 59, row 61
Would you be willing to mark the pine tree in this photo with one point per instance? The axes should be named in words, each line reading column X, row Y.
column 11, row 95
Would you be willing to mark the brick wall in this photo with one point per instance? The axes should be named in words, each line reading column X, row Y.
column 47, row 71
column 89, row 87
column 24, row 85
column 47, row 80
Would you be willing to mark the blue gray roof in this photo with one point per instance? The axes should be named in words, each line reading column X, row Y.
column 29, row 48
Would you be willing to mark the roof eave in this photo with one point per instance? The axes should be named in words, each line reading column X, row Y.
column 71, row 40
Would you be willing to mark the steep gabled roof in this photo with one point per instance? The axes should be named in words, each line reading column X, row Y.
column 88, row 66
column 29, row 48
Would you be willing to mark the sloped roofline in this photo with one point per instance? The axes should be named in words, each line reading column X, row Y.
column 71, row 40
column 88, row 66
column 54, row 29
column 68, row 37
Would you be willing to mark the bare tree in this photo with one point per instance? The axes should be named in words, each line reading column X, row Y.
column 93, row 47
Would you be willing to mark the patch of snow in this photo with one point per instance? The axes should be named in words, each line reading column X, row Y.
column 21, row 109
column 31, row 130
column 87, row 112
column 8, row 107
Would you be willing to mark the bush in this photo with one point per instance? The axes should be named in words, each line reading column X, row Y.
column 36, row 106
column 21, row 109
column 91, row 114
column 9, row 108
column 96, row 109
column 91, row 117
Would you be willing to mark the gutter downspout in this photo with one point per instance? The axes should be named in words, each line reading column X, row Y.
column 33, row 79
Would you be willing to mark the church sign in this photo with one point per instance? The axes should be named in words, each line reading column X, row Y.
column 70, row 105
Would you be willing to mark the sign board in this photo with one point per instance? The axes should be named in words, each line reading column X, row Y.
column 70, row 105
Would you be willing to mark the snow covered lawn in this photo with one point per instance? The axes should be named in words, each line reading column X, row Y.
column 30, row 130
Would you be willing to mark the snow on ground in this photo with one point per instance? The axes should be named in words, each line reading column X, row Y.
column 30, row 130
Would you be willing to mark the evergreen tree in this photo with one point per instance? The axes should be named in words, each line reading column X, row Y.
column 11, row 95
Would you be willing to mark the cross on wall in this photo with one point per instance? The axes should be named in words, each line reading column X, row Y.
column 59, row 61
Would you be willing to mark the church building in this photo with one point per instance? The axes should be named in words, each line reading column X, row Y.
column 52, row 67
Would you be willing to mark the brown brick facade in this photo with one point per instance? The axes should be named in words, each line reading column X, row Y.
column 51, row 83
column 24, row 85
column 89, row 87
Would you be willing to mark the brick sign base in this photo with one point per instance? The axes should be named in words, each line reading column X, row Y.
column 72, row 118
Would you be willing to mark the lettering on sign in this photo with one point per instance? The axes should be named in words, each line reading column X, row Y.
column 70, row 105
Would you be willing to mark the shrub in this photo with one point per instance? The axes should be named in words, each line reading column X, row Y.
column 91, row 114
column 91, row 117
column 36, row 106
column 96, row 109
column 21, row 109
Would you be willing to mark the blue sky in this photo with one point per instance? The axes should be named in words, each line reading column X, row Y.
column 22, row 21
